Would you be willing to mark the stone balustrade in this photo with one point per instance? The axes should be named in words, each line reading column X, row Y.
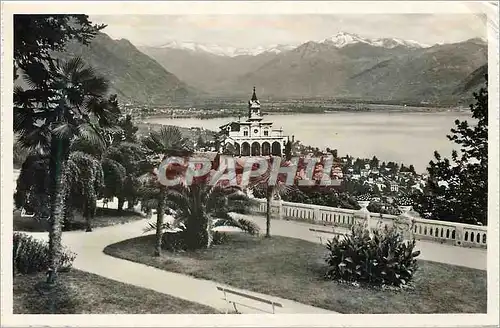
column 458, row 234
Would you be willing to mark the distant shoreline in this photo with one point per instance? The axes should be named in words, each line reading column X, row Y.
column 400, row 109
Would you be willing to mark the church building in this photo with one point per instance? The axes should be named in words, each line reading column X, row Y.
column 255, row 136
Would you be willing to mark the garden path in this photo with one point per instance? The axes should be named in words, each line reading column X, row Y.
column 89, row 247
column 90, row 258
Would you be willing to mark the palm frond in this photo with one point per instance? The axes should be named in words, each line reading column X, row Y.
column 241, row 223
column 151, row 226
column 167, row 141
column 91, row 135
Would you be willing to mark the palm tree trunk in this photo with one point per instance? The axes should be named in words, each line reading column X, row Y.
column 198, row 228
column 121, row 202
column 269, row 197
column 57, row 210
column 159, row 220
column 90, row 214
column 68, row 214
column 131, row 203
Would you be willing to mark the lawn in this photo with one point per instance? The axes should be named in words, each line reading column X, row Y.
column 86, row 293
column 104, row 217
column 294, row 269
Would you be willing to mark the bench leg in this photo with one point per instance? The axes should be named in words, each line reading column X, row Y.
column 225, row 299
column 235, row 309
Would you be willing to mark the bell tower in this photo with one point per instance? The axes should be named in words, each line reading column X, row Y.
column 254, row 108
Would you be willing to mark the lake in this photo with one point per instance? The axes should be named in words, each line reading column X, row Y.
column 407, row 137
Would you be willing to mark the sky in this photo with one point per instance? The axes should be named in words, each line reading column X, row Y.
column 246, row 31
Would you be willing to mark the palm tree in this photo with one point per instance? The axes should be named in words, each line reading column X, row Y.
column 272, row 190
column 63, row 102
column 168, row 141
column 201, row 207
column 20, row 154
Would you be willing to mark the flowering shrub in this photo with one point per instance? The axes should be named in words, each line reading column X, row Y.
column 381, row 259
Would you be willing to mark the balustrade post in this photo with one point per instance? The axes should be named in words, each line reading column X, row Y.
column 317, row 214
column 407, row 218
column 280, row 209
column 365, row 214
column 459, row 235
column 277, row 209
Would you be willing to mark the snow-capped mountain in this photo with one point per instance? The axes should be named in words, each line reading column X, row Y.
column 225, row 50
column 343, row 39
column 339, row 40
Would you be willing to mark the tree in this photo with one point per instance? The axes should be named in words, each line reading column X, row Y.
column 288, row 150
column 33, row 186
column 124, row 163
column 272, row 190
column 457, row 190
column 84, row 178
column 200, row 207
column 168, row 141
column 200, row 143
column 129, row 130
column 37, row 36
column 20, row 154
column 64, row 102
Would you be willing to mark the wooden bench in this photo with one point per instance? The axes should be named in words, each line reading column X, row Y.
column 228, row 293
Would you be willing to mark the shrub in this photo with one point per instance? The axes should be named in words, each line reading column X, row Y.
column 30, row 255
column 381, row 259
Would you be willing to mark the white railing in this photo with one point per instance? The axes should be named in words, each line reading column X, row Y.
column 458, row 234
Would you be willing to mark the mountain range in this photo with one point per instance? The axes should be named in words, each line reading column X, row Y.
column 345, row 66
column 339, row 40
column 132, row 75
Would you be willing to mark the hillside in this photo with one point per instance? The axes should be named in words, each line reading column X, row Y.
column 133, row 76
column 429, row 75
column 204, row 70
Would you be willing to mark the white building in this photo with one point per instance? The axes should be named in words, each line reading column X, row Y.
column 253, row 137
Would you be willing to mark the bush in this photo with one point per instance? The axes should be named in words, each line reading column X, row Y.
column 381, row 259
column 30, row 255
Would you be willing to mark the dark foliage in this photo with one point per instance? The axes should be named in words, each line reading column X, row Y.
column 37, row 36
column 457, row 189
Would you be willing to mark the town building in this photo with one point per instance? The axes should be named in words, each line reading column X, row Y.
column 394, row 187
column 255, row 136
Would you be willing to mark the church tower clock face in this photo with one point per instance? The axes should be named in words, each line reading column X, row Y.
column 255, row 131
